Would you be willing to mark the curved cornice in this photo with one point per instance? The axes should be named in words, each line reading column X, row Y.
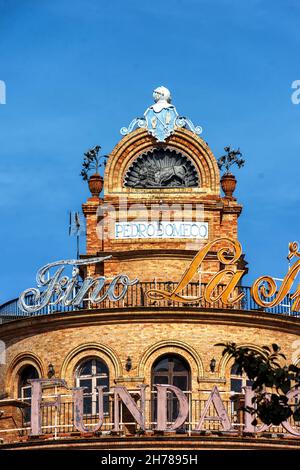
column 241, row 318
column 194, row 442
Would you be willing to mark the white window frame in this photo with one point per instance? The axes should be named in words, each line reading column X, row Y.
column 93, row 378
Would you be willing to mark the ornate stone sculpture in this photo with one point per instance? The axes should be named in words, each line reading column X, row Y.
column 162, row 98
column 161, row 119
column 162, row 168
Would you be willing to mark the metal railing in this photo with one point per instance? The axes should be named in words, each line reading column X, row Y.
column 136, row 296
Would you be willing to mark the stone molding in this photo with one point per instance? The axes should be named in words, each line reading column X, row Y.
column 139, row 141
column 78, row 318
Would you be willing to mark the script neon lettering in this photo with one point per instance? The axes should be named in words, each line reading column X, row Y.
column 193, row 268
column 227, row 291
column 265, row 287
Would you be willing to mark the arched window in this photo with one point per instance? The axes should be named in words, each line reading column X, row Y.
column 26, row 373
column 173, row 370
column 238, row 380
column 90, row 374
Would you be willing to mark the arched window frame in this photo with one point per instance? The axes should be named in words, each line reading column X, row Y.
column 24, row 388
column 95, row 379
column 170, row 374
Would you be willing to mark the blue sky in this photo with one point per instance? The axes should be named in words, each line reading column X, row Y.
column 77, row 71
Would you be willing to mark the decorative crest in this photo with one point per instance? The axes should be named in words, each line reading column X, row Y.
column 161, row 119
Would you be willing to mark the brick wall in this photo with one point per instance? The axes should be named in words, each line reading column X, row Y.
column 120, row 203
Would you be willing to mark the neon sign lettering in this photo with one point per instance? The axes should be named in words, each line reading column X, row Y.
column 64, row 290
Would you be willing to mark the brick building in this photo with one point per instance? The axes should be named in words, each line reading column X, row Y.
column 162, row 202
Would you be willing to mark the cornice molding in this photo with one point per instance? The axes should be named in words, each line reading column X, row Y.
column 151, row 253
column 80, row 318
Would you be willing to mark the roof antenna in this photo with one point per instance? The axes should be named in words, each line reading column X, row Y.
column 75, row 227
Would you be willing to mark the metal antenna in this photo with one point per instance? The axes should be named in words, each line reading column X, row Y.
column 75, row 228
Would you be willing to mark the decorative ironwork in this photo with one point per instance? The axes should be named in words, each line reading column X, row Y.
column 162, row 168
column 161, row 119
column 91, row 162
column 232, row 157
column 136, row 297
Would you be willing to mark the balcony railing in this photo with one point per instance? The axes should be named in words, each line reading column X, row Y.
column 136, row 296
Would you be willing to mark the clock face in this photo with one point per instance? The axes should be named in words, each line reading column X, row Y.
column 162, row 168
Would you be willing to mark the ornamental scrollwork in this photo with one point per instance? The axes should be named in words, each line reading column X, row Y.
column 161, row 119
